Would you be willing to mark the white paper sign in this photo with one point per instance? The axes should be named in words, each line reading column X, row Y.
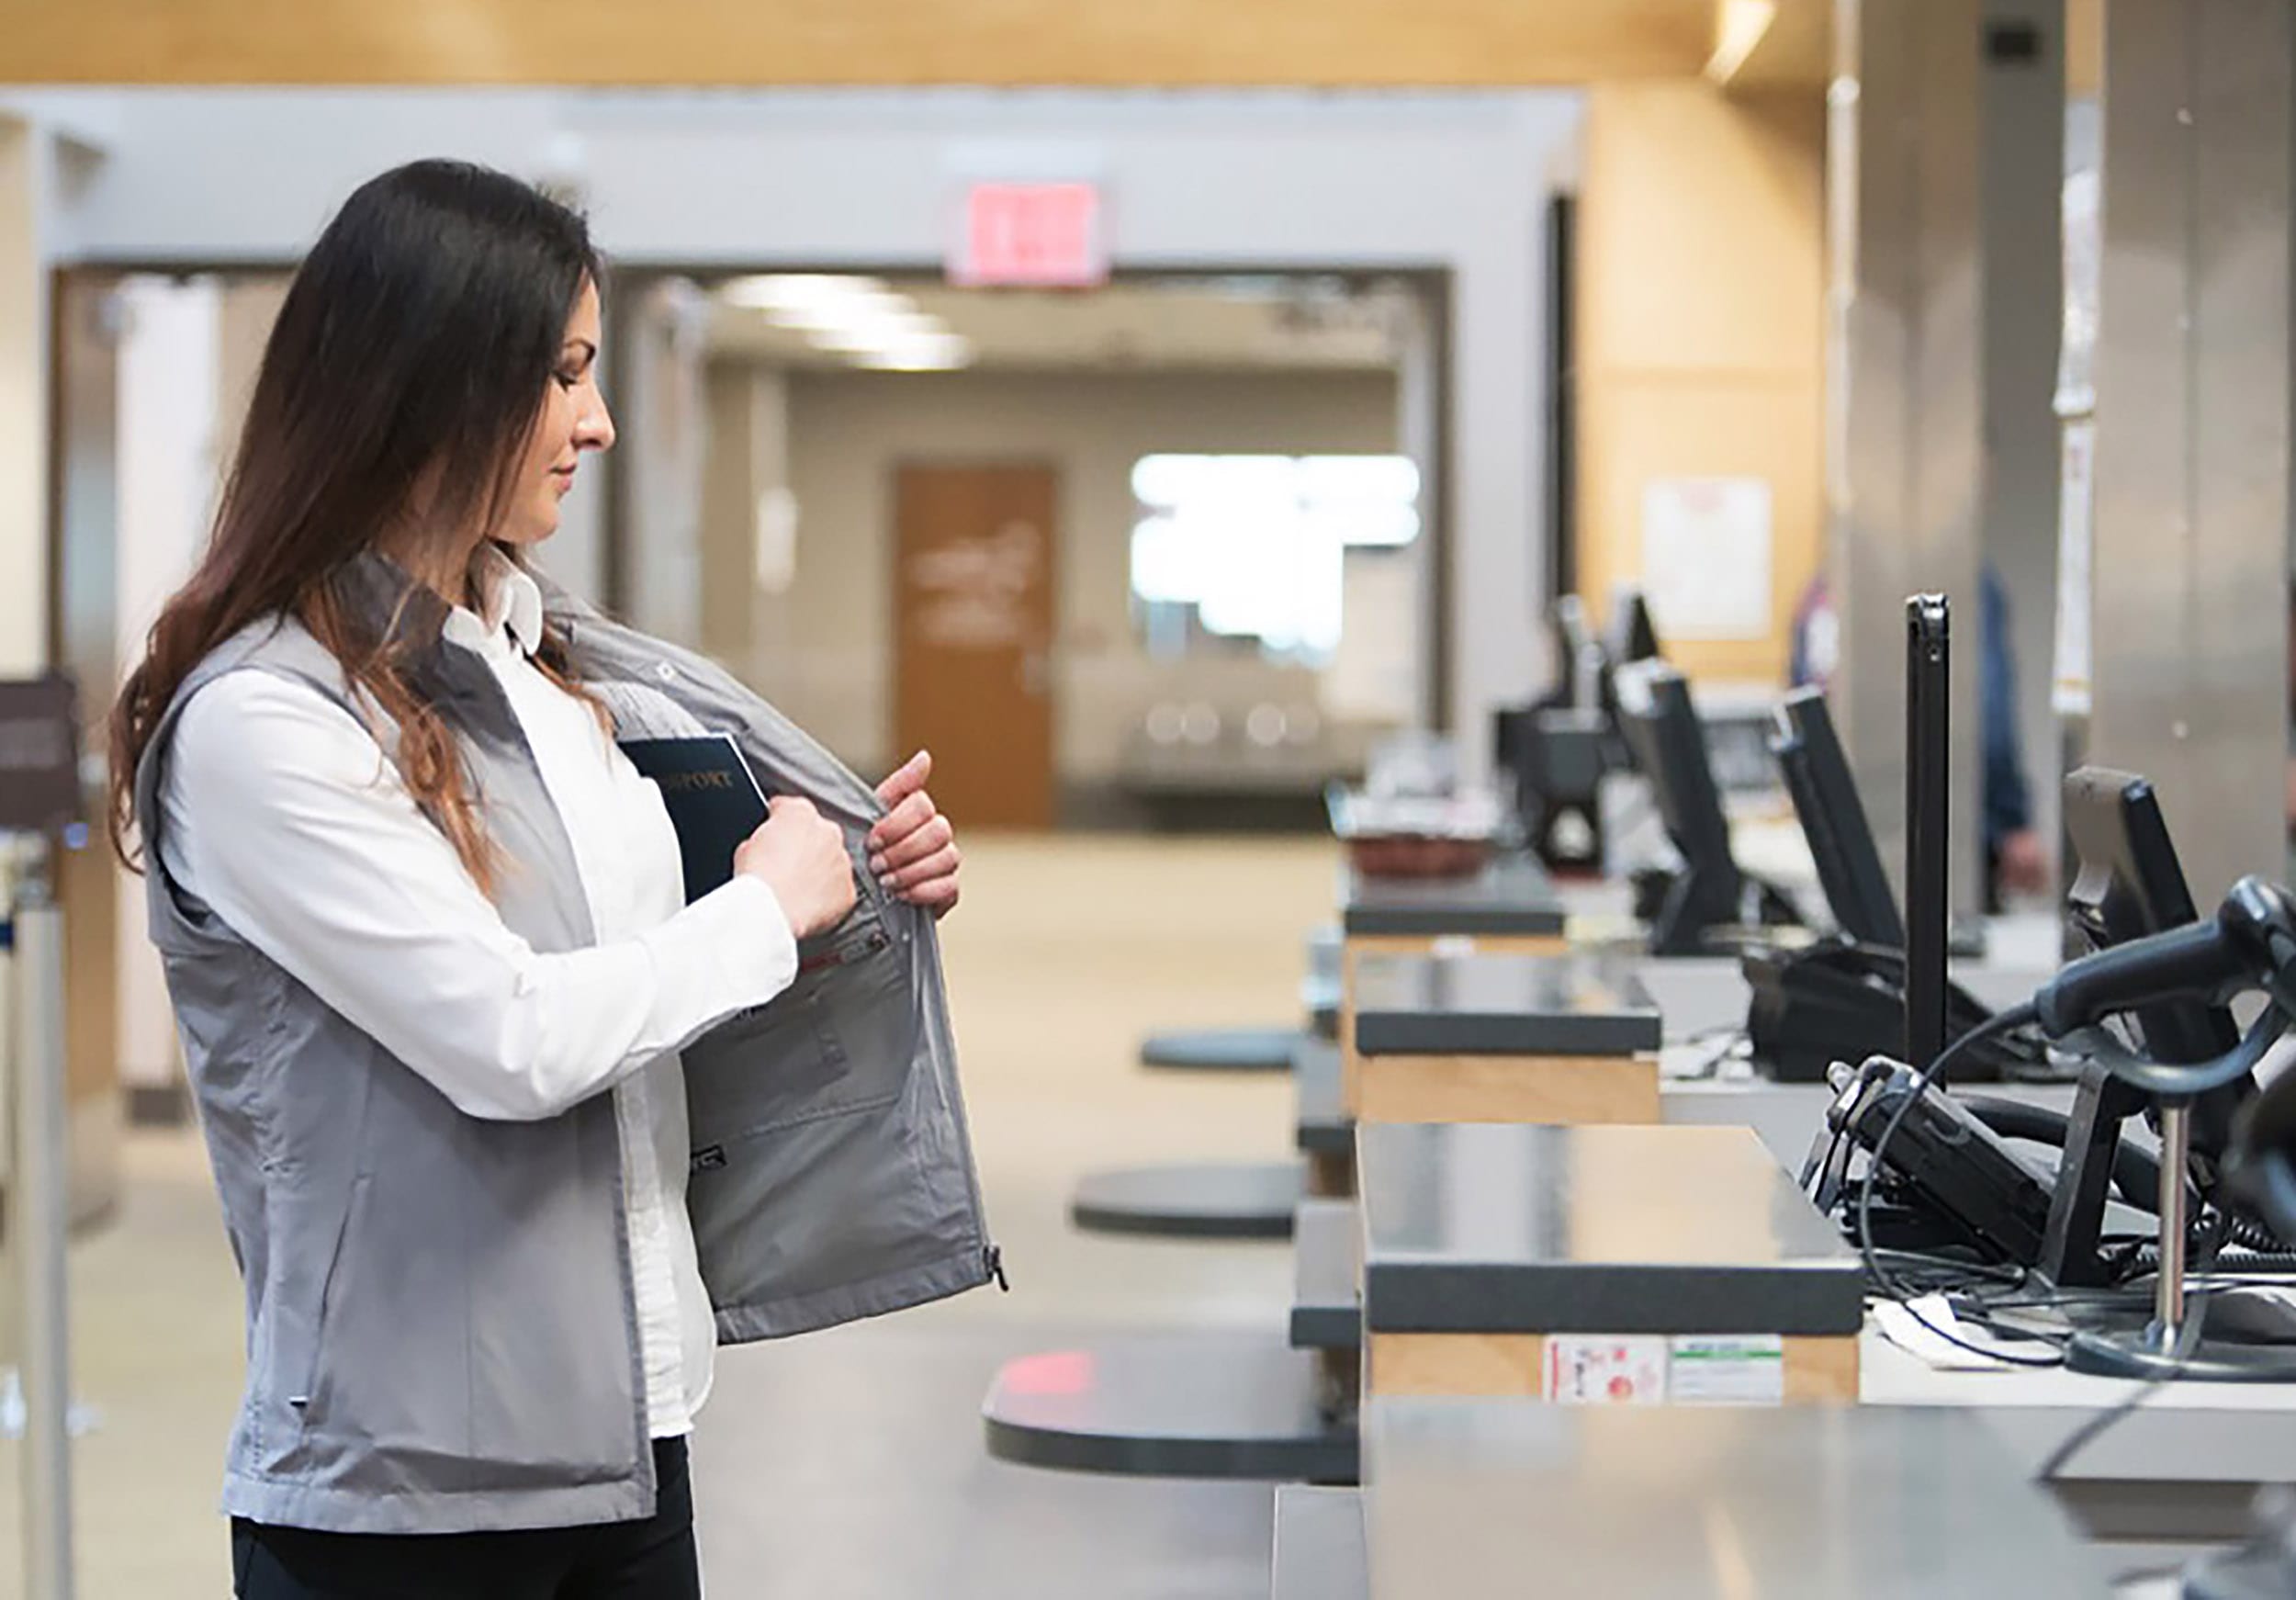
column 1604, row 1370
column 1707, row 556
column 1732, row 1369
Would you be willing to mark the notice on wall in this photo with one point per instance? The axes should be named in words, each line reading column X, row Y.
column 1707, row 556
column 2071, row 684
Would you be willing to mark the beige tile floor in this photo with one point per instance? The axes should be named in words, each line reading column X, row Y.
column 849, row 1464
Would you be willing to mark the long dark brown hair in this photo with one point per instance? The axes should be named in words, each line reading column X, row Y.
column 413, row 350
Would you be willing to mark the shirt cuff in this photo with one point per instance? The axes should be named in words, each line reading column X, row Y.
column 740, row 935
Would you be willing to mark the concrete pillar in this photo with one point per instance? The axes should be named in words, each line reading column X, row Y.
column 748, row 532
column 1905, row 451
column 24, row 160
column 2191, row 554
column 28, row 593
column 659, row 567
column 2021, row 178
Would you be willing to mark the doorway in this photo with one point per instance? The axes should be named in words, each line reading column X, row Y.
column 974, row 632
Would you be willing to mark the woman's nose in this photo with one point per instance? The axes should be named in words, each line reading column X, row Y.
column 593, row 430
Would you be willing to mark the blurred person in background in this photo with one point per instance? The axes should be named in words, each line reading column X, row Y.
column 2015, row 862
column 425, row 932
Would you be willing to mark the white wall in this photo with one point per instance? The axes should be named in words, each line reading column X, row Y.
column 1273, row 180
column 825, row 650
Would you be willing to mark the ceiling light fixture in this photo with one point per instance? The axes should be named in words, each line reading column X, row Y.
column 861, row 318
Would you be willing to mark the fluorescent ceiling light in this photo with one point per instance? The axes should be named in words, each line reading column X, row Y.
column 925, row 353
column 861, row 318
column 879, row 329
column 796, row 290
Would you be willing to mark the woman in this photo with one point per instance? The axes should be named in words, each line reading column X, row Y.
column 508, row 1136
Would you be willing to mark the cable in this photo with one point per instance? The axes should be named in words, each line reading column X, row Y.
column 1993, row 1027
column 1731, row 1035
column 2104, row 1422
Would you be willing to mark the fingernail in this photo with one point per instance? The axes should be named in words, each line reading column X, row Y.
column 877, row 866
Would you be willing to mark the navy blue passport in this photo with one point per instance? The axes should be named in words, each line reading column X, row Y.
column 713, row 797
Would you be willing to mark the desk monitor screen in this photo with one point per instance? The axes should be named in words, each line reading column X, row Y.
column 1633, row 636
column 1630, row 638
column 1661, row 728
column 2130, row 884
column 1833, row 819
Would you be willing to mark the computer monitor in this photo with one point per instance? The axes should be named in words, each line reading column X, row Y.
column 2130, row 884
column 1632, row 635
column 1660, row 727
column 1833, row 819
column 1631, row 638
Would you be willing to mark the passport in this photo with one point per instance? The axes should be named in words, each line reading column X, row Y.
column 713, row 799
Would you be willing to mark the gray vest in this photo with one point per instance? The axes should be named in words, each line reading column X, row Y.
column 442, row 1332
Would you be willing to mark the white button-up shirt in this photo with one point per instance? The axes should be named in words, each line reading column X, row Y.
column 280, row 816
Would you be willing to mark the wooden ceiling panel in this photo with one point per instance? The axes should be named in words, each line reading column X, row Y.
column 1335, row 43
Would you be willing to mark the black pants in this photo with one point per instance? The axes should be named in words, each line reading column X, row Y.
column 654, row 1560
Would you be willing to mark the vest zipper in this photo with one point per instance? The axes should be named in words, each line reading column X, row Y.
column 992, row 1260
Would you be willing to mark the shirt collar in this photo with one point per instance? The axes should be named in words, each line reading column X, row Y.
column 512, row 601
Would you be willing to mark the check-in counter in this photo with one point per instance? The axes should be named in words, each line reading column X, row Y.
column 1483, row 1037
column 1599, row 1263
column 1509, row 907
column 1476, row 1500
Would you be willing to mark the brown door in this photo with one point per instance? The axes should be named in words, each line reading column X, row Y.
column 974, row 607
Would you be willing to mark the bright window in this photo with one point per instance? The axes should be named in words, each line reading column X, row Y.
column 1250, row 547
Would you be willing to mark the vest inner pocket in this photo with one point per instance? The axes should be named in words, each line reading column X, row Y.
column 840, row 1039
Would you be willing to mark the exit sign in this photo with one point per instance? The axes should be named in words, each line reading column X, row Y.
column 1038, row 235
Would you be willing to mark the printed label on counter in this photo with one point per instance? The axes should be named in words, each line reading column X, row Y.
column 1732, row 1369
column 1604, row 1370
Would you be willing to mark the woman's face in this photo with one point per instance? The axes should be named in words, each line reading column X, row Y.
column 573, row 419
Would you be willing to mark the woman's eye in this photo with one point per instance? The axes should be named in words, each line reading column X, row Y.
column 568, row 380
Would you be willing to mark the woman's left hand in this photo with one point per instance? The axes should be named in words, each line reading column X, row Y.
column 913, row 850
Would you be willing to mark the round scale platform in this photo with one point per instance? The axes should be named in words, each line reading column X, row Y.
column 1199, row 1405
column 1197, row 1201
column 1221, row 1050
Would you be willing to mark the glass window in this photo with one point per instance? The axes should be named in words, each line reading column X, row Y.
column 1250, row 548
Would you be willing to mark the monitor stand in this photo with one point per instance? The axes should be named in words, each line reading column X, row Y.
column 1697, row 898
column 2101, row 1103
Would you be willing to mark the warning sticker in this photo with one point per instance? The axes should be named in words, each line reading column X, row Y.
column 1604, row 1370
column 1727, row 1369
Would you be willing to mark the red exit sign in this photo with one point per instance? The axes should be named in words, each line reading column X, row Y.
column 1040, row 236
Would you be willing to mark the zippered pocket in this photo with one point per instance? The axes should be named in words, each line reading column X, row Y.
column 840, row 1039
column 862, row 935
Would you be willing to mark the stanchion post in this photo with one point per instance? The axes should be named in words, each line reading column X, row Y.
column 39, row 1217
column 40, row 796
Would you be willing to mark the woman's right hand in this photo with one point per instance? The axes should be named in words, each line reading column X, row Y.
column 800, row 855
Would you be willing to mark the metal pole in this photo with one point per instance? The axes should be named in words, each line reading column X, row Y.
column 2175, row 1155
column 39, row 1220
